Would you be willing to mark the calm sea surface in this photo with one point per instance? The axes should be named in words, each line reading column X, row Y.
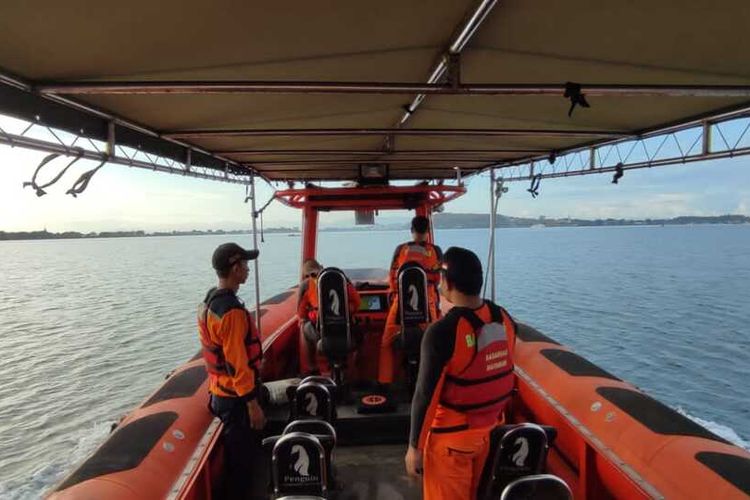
column 90, row 327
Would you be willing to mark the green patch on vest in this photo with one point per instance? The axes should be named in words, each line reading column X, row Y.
column 470, row 340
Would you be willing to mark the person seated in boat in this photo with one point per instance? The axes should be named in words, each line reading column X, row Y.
column 232, row 352
column 465, row 382
column 428, row 256
column 307, row 309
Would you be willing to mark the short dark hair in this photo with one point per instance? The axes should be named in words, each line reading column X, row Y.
column 463, row 270
column 420, row 224
column 223, row 273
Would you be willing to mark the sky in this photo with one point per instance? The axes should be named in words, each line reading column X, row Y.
column 123, row 198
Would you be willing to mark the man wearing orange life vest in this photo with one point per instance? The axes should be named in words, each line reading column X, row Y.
column 232, row 353
column 428, row 256
column 307, row 310
column 464, row 384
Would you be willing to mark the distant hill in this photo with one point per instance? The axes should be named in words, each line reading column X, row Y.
column 441, row 221
column 456, row 221
column 46, row 235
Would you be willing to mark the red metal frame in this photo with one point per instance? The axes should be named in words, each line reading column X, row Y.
column 421, row 198
column 375, row 198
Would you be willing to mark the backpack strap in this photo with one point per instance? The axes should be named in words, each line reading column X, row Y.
column 496, row 316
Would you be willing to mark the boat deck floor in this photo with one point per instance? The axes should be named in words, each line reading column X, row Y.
column 374, row 472
column 369, row 457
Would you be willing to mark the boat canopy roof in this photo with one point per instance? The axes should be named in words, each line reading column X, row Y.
column 302, row 90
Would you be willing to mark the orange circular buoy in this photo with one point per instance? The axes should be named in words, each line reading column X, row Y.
column 373, row 400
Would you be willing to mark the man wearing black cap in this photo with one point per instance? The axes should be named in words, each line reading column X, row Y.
column 232, row 353
column 464, row 384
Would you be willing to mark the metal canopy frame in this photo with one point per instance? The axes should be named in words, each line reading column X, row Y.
column 587, row 150
column 294, row 87
column 126, row 143
column 699, row 139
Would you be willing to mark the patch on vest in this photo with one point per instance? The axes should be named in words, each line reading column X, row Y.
column 470, row 340
column 491, row 332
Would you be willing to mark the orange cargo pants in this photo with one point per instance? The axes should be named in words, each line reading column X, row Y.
column 387, row 358
column 453, row 464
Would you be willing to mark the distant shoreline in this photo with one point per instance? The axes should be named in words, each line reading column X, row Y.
column 441, row 221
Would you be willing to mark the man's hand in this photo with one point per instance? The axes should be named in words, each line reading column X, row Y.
column 413, row 461
column 255, row 412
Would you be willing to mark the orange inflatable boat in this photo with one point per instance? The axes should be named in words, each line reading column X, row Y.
column 611, row 440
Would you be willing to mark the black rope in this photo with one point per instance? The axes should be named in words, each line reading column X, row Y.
column 534, row 188
column 82, row 183
column 259, row 213
column 577, row 98
column 619, row 172
column 32, row 182
column 58, row 176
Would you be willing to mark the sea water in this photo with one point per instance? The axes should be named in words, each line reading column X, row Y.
column 90, row 327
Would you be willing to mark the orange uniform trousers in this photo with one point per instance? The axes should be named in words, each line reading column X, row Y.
column 387, row 358
column 453, row 463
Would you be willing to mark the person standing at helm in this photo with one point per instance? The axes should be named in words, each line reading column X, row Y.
column 428, row 256
column 307, row 310
column 465, row 382
column 232, row 353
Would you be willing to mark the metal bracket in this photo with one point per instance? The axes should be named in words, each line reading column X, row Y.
column 111, row 139
column 454, row 69
column 188, row 160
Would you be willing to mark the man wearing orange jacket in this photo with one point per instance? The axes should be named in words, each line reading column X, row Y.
column 232, row 353
column 307, row 311
column 464, row 384
column 428, row 256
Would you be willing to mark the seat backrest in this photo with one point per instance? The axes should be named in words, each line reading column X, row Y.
column 301, row 497
column 325, row 433
column 515, row 451
column 326, row 381
column 412, row 295
column 298, row 465
column 321, row 429
column 313, row 400
column 544, row 486
column 334, row 321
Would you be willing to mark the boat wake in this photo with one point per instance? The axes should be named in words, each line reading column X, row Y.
column 48, row 475
column 720, row 430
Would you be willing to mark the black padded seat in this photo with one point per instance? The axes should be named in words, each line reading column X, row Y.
column 301, row 497
column 298, row 466
column 326, row 381
column 413, row 315
column 515, row 451
column 544, row 486
column 313, row 400
column 334, row 320
column 325, row 433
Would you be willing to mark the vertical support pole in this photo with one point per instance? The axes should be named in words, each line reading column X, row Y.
column 592, row 158
column 111, row 139
column 426, row 212
column 492, row 234
column 706, row 145
column 255, row 262
column 309, row 233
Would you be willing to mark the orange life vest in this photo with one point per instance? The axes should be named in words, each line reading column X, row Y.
column 213, row 353
column 312, row 299
column 423, row 254
column 480, row 388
